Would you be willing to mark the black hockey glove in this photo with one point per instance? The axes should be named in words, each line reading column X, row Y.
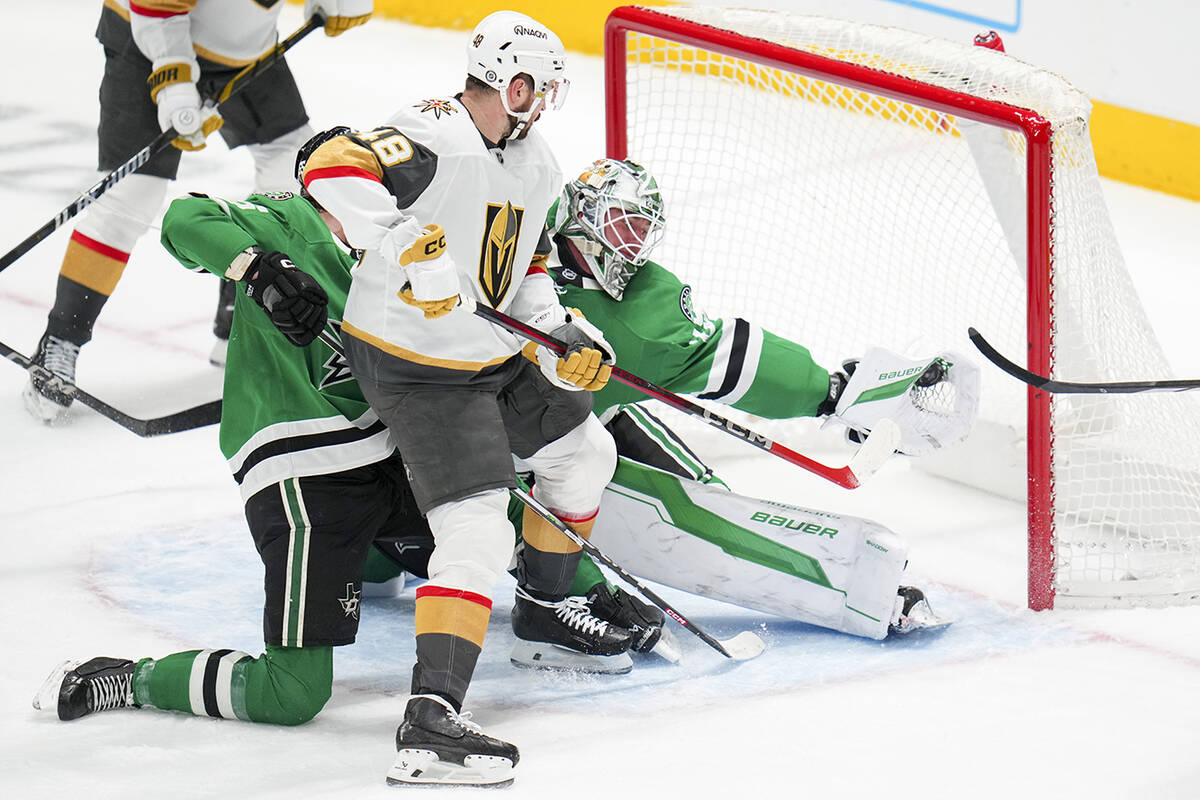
column 295, row 302
column 837, row 384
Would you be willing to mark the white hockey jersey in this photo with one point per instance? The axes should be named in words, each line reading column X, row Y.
column 230, row 32
column 430, row 165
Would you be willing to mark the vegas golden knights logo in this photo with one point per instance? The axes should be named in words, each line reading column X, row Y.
column 499, row 251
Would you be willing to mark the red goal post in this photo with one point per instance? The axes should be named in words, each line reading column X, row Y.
column 1021, row 187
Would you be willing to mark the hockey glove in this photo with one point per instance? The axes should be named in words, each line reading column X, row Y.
column 431, row 274
column 295, row 302
column 587, row 363
column 173, row 89
column 934, row 400
column 340, row 15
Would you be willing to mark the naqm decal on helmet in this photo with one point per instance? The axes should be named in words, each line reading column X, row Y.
column 613, row 214
column 506, row 44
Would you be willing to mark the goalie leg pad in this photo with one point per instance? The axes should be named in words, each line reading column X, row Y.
column 825, row 569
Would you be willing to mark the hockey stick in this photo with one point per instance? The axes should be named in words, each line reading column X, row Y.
column 160, row 142
column 196, row 417
column 877, row 448
column 1075, row 387
column 742, row 647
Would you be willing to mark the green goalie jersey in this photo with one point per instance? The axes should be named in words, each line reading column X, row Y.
column 287, row 411
column 658, row 334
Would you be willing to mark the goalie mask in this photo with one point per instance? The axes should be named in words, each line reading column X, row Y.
column 506, row 44
column 613, row 214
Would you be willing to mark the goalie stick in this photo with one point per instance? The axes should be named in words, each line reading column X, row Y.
column 196, row 417
column 1075, row 387
column 742, row 647
column 876, row 449
column 139, row 159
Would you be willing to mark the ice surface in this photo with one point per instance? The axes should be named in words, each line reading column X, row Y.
column 120, row 546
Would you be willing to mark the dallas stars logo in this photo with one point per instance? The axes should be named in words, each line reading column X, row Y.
column 438, row 107
column 336, row 368
column 350, row 601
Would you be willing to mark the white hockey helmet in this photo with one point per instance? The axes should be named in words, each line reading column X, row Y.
column 613, row 214
column 506, row 44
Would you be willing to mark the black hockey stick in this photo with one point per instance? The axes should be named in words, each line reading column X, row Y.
column 160, row 142
column 196, row 417
column 1075, row 387
column 742, row 647
column 877, row 448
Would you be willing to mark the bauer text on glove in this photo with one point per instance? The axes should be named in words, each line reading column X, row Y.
column 295, row 302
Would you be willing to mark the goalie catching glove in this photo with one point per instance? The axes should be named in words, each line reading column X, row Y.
column 587, row 362
column 933, row 401
column 295, row 302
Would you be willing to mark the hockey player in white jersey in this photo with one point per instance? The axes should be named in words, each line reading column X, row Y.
column 162, row 57
column 449, row 199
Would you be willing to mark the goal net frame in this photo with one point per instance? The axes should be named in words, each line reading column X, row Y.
column 1037, row 131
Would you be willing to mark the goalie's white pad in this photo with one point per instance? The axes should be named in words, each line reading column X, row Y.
column 825, row 569
column 934, row 401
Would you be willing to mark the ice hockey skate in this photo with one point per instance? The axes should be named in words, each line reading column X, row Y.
column 913, row 613
column 438, row 746
column 76, row 689
column 44, row 398
column 566, row 635
column 644, row 621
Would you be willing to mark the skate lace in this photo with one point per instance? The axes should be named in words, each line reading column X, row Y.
column 576, row 612
column 110, row 691
column 60, row 356
column 460, row 718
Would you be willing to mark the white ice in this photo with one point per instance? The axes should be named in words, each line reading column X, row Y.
column 121, row 546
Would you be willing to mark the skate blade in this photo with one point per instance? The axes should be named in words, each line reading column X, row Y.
column 424, row 768
column 668, row 647
column 919, row 618
column 42, row 408
column 46, row 698
column 539, row 655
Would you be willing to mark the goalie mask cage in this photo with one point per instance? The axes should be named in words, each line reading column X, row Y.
column 850, row 185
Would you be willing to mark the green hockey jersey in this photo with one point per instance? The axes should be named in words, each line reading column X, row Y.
column 287, row 411
column 659, row 334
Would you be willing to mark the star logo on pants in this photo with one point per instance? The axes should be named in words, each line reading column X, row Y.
column 350, row 601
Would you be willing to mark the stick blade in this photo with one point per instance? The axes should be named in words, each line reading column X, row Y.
column 745, row 646
column 879, row 447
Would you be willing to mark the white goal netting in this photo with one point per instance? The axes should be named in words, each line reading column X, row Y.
column 844, row 212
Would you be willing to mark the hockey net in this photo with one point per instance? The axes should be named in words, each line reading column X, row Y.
column 850, row 185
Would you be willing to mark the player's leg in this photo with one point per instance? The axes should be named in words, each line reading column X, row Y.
column 312, row 535
column 100, row 246
column 459, row 468
column 555, row 436
column 826, row 569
